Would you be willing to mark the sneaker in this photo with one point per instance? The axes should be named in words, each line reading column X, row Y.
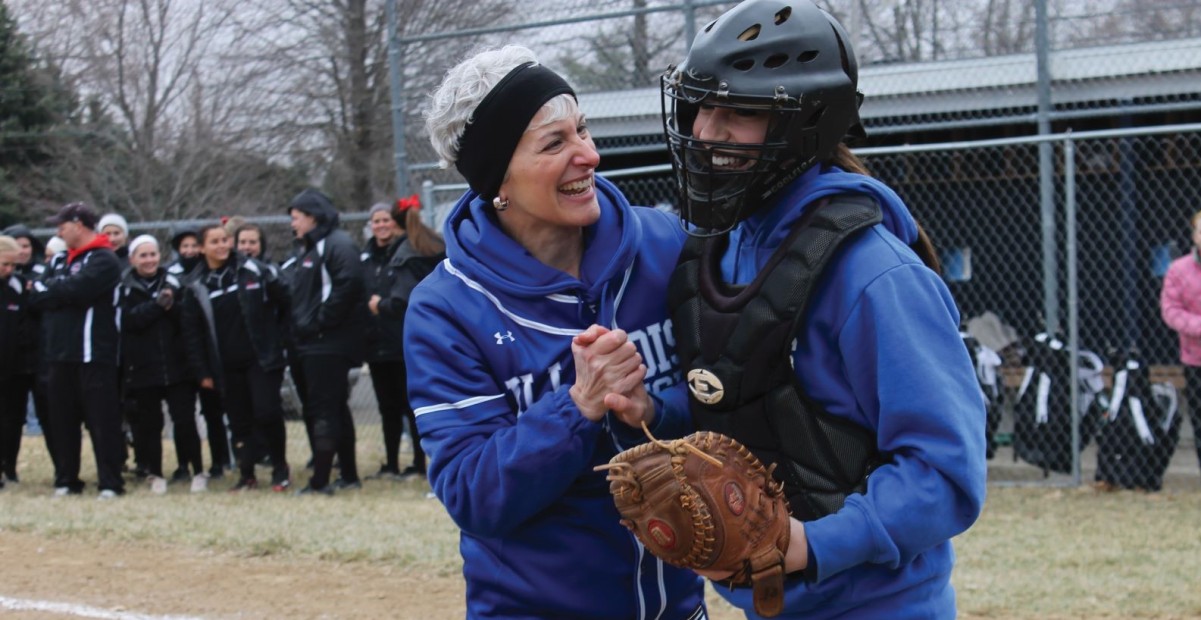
column 281, row 480
column 158, row 485
column 181, row 475
column 347, row 485
column 327, row 490
column 411, row 472
column 200, row 483
column 386, row 473
column 245, row 484
column 216, row 473
column 65, row 491
column 107, row 494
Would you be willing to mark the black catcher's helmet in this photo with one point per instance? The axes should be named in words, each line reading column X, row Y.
column 786, row 57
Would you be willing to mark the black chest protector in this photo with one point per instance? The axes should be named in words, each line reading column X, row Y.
column 735, row 347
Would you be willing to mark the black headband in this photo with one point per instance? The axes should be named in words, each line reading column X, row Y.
column 499, row 121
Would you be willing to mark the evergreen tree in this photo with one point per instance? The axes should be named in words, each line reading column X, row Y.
column 32, row 102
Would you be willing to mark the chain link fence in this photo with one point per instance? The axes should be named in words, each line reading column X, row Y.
column 1122, row 206
column 1121, row 211
column 1122, row 202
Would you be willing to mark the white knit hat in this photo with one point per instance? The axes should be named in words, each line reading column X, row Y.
column 112, row 219
column 139, row 240
column 56, row 245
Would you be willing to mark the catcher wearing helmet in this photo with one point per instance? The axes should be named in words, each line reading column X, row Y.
column 812, row 323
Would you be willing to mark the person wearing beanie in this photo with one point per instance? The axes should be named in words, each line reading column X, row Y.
column 187, row 252
column 154, row 366
column 55, row 246
column 116, row 229
column 81, row 326
column 328, row 311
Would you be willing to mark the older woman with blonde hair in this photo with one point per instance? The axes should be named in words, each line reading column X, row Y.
column 520, row 343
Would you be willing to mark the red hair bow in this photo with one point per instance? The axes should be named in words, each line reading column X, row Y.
column 412, row 202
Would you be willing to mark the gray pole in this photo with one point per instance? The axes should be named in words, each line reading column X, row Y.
column 1069, row 190
column 1046, row 171
column 689, row 24
column 857, row 28
column 400, row 158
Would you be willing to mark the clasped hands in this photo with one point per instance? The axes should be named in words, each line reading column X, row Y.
column 609, row 375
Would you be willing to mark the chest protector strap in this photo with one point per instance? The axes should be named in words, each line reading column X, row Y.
column 735, row 347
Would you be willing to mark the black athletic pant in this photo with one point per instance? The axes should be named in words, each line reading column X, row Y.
column 148, row 442
column 1192, row 391
column 392, row 397
column 213, row 412
column 80, row 393
column 256, row 417
column 14, row 399
column 14, row 394
column 332, row 429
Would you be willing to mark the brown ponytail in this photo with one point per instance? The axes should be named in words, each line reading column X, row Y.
column 923, row 246
column 425, row 240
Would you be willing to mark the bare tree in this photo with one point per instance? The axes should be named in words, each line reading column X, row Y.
column 333, row 79
column 165, row 123
column 631, row 52
column 1006, row 27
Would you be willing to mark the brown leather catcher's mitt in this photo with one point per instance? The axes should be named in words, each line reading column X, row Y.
column 705, row 502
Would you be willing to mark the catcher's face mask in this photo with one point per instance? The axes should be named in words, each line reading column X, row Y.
column 785, row 60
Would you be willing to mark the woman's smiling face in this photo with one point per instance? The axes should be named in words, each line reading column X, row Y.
column 733, row 125
column 550, row 179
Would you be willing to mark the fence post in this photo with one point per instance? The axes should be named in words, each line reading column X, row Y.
column 400, row 158
column 689, row 23
column 1046, row 171
column 1069, row 195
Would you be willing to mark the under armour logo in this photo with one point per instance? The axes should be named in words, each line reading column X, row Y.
column 500, row 339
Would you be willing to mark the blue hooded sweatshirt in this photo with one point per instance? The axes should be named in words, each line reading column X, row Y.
column 488, row 350
column 881, row 347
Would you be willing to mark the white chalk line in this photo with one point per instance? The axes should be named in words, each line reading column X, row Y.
column 83, row 611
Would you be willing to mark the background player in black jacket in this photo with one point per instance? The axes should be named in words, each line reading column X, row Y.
column 413, row 256
column 327, row 325
column 384, row 338
column 30, row 266
column 233, row 318
column 14, row 341
column 155, row 368
column 82, row 337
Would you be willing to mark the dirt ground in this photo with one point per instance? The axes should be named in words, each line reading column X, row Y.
column 164, row 581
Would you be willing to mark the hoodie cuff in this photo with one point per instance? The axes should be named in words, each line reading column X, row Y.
column 837, row 542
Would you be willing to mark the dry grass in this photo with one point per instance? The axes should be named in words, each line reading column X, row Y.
column 1045, row 553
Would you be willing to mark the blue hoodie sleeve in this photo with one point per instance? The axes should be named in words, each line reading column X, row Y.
column 911, row 377
column 490, row 468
